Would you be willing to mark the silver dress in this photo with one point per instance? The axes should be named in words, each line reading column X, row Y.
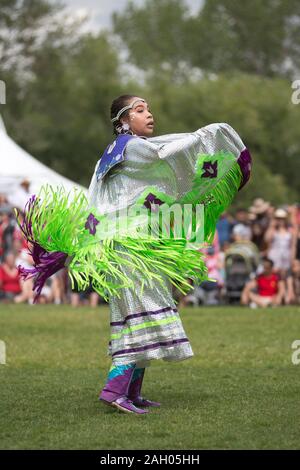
column 149, row 327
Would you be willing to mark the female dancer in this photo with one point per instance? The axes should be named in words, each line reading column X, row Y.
column 136, row 272
column 149, row 327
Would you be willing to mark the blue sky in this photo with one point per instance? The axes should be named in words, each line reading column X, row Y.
column 100, row 10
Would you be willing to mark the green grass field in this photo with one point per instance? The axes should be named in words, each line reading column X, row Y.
column 240, row 390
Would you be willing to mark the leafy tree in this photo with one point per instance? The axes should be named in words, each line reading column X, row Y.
column 154, row 33
column 66, row 120
column 254, row 36
column 22, row 27
column 59, row 87
column 259, row 37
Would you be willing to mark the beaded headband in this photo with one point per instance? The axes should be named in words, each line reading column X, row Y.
column 129, row 106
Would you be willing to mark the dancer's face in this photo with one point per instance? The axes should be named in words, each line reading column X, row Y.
column 140, row 118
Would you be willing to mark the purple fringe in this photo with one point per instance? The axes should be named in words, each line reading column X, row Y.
column 45, row 263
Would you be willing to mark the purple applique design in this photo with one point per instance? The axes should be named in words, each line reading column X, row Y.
column 245, row 161
column 210, row 169
column 91, row 223
column 151, row 199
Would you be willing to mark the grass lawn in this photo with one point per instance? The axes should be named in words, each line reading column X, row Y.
column 239, row 391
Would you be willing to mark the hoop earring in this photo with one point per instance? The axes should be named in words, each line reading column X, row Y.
column 124, row 129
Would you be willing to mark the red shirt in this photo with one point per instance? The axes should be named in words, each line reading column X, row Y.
column 9, row 283
column 267, row 285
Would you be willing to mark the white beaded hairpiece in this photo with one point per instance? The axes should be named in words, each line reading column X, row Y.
column 129, row 106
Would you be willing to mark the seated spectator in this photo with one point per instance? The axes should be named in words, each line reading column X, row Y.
column 52, row 291
column 293, row 284
column 242, row 242
column 46, row 293
column 268, row 285
column 10, row 286
column 87, row 297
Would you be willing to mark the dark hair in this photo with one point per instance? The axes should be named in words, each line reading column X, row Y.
column 116, row 105
column 265, row 259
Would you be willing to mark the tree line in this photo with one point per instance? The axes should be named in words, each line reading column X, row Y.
column 231, row 62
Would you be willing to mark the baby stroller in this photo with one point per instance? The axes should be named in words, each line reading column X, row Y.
column 241, row 262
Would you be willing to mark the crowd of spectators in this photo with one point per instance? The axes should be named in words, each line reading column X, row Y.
column 14, row 252
column 254, row 260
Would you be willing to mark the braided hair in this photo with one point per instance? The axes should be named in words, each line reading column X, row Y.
column 117, row 104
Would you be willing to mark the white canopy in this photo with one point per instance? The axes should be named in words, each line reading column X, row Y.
column 16, row 165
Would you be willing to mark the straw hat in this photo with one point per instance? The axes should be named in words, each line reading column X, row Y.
column 280, row 214
column 259, row 206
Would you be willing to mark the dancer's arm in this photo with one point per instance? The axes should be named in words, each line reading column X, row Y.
column 210, row 139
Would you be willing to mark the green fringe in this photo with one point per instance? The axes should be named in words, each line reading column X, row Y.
column 58, row 219
column 147, row 260
column 58, row 224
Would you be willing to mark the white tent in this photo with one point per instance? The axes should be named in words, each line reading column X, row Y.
column 16, row 165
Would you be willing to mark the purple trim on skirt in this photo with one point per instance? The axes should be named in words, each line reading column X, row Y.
column 151, row 346
column 142, row 314
column 245, row 161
